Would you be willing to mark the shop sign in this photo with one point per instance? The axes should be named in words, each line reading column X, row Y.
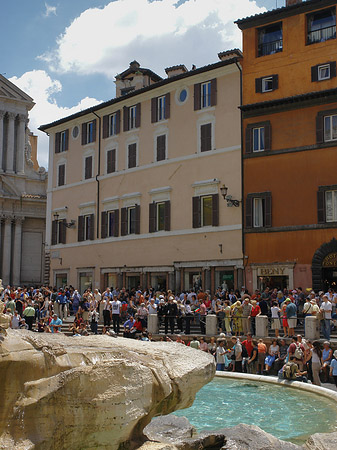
column 271, row 271
column 330, row 260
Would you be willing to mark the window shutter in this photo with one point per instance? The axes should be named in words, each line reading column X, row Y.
column 91, row 227
column 275, row 82
column 61, row 174
column 116, row 223
column 138, row 111
column 267, row 137
column 66, row 140
column 167, row 105
column 215, row 210
column 111, row 161
column 154, row 110
column 88, row 168
column 54, row 225
column 332, row 69
column 84, row 133
column 80, row 230
column 62, row 231
column 161, row 142
column 319, row 128
column 314, row 73
column 197, row 96
column 118, row 121
column 196, row 212
column 132, row 156
column 137, row 225
column 249, row 212
column 94, row 130
column 213, row 92
column 57, row 142
column 258, row 85
column 124, row 221
column 125, row 118
column 249, row 146
column 152, row 217
column 105, row 127
column 321, row 206
column 167, row 216
column 267, row 210
column 206, row 137
column 104, row 224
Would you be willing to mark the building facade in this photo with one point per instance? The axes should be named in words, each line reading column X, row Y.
column 289, row 117
column 134, row 183
column 22, row 192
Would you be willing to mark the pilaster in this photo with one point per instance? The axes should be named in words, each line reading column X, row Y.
column 10, row 143
column 21, row 144
column 6, row 255
column 2, row 114
column 17, row 251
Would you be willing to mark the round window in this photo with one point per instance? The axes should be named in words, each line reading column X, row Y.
column 76, row 132
column 182, row 95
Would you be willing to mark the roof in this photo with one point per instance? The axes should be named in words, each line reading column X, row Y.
column 234, row 51
column 9, row 90
column 135, row 67
column 280, row 13
column 132, row 94
column 177, row 67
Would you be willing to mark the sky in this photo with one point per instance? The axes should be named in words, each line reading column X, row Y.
column 65, row 54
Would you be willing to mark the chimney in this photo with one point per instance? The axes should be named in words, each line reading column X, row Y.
column 292, row 2
column 175, row 70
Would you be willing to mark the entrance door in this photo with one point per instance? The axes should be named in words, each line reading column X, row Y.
column 280, row 283
column 61, row 280
column 85, row 281
column 158, row 282
column 330, row 278
column 133, row 281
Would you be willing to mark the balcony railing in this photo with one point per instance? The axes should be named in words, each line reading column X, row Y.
column 269, row 48
column 324, row 34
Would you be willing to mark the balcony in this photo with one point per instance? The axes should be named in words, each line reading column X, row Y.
column 321, row 35
column 269, row 48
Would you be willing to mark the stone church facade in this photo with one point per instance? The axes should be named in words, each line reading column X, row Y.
column 22, row 192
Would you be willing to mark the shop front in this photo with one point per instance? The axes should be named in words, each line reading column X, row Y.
column 85, row 280
column 324, row 267
column 60, row 279
column 276, row 275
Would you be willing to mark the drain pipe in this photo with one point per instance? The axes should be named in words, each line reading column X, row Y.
column 98, row 173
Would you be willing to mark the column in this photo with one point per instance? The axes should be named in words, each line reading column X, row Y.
column 20, row 149
column 17, row 251
column 2, row 114
column 152, row 324
column 207, row 278
column 211, row 325
column 10, row 143
column 261, row 326
column 6, row 256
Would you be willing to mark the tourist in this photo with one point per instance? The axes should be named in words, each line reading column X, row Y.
column 253, row 359
column 203, row 313
column 15, row 321
column 326, row 310
column 291, row 313
column 283, row 353
column 246, row 313
column 326, row 360
column 285, row 324
column 316, row 362
column 212, row 346
column 262, row 350
column 179, row 340
column 107, row 308
column 297, row 352
column 116, row 313
column 220, row 356
column 228, row 312
column 142, row 313
column 128, row 325
column 333, row 367
column 273, row 353
column 93, row 319
column 275, row 318
column 55, row 324
column 291, row 372
column 29, row 316
column 24, row 325
column 237, row 318
column 203, row 345
column 171, row 312
column 237, row 349
column 256, row 311
column 195, row 343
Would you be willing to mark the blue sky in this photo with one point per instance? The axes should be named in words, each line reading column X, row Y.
column 65, row 53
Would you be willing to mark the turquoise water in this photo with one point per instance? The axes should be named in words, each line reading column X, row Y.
column 286, row 413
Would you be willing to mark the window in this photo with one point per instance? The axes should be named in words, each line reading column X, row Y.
column 160, row 108
column 270, row 40
column 88, row 167
column 258, row 137
column 111, row 124
column 182, row 95
column 58, row 233
column 330, row 128
column 110, row 223
column 327, row 204
column 205, row 211
column 323, row 72
column 76, row 132
column 258, row 210
column 61, row 176
column 61, row 141
column 205, row 94
column 88, row 132
column 131, row 117
column 130, row 220
column 321, row 26
column 132, row 155
column 86, row 227
column 206, row 137
column 266, row 84
column 161, row 147
column 111, row 161
column 159, row 216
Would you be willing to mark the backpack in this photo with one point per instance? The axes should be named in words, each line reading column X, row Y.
column 289, row 370
column 298, row 352
column 244, row 352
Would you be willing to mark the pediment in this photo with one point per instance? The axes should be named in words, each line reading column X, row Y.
column 7, row 188
column 10, row 91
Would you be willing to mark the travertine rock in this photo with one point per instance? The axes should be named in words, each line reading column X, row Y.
column 322, row 441
column 94, row 392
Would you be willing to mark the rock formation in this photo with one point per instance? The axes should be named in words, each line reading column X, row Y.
column 94, row 392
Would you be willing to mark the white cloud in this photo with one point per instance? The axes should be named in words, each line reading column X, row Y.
column 42, row 88
column 158, row 34
column 49, row 10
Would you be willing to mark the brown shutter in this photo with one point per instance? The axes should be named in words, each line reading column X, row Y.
column 125, row 118
column 137, row 224
column 196, row 212
column 80, row 230
column 154, row 110
column 314, row 73
column 116, row 223
column 62, row 231
column 249, row 145
column 54, row 225
column 94, row 130
column 91, row 223
column 167, row 215
column 258, row 85
column 321, row 207
column 118, row 121
column 161, row 150
column 57, row 142
column 319, row 128
column 332, row 69
column 267, row 210
column 104, row 224
column 206, row 137
column 138, row 111
column 152, row 217
column 105, row 127
column 124, row 221
column 111, row 161
column 66, row 147
column 267, row 137
column 215, row 210
column 132, row 156
column 88, row 168
column 213, row 92
column 167, row 105
column 275, row 82
column 61, row 174
column 84, row 133
column 249, row 212
column 197, row 96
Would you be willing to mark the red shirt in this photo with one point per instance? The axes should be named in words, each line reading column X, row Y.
column 249, row 346
column 255, row 311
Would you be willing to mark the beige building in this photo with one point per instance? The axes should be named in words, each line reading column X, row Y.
column 22, row 192
column 134, row 183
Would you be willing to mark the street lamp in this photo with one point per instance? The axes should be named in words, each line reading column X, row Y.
column 229, row 199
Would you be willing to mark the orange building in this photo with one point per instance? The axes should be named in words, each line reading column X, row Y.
column 289, row 120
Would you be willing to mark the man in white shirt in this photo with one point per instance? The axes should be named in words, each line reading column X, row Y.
column 116, row 313
column 326, row 308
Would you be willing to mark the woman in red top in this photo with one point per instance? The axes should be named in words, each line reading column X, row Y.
column 256, row 311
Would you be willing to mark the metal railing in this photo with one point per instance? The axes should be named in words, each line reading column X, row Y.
column 324, row 34
column 269, row 48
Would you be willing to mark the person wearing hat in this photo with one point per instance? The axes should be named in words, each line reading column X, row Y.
column 333, row 367
column 55, row 324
